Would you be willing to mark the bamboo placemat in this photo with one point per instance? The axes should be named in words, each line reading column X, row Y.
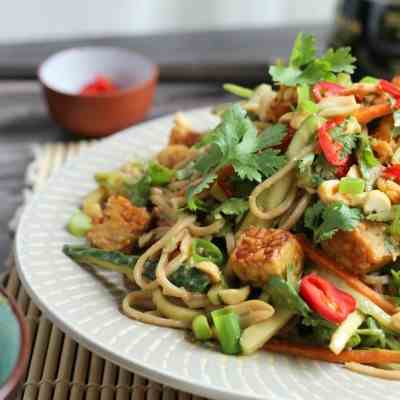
column 60, row 368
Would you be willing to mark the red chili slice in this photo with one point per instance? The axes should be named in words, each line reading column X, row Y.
column 343, row 170
column 389, row 88
column 100, row 85
column 326, row 299
column 329, row 147
column 324, row 89
column 393, row 171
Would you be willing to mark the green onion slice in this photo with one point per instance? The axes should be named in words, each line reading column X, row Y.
column 201, row 328
column 204, row 250
column 79, row 224
column 228, row 330
column 351, row 185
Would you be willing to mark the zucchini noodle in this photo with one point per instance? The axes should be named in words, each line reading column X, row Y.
column 131, row 299
column 168, row 287
column 230, row 242
column 277, row 211
column 154, row 249
column 206, row 230
column 297, row 213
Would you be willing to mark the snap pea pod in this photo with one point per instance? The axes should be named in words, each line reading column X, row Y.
column 274, row 196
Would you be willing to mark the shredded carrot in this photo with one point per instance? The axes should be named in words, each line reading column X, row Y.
column 373, row 356
column 328, row 264
column 366, row 114
column 396, row 80
column 384, row 129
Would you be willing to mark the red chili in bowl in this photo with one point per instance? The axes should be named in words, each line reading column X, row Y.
column 99, row 85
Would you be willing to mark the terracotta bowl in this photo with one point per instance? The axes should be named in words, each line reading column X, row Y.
column 64, row 74
column 14, row 345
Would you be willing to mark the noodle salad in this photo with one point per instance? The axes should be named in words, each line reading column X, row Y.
column 278, row 229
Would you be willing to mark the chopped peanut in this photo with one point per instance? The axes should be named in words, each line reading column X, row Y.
column 383, row 150
column 182, row 132
column 391, row 188
column 282, row 103
column 384, row 129
column 174, row 154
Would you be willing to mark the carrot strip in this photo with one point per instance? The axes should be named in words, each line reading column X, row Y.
column 366, row 114
column 384, row 129
column 378, row 356
column 326, row 263
column 396, row 80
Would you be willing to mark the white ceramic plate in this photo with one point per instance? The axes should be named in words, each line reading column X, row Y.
column 85, row 303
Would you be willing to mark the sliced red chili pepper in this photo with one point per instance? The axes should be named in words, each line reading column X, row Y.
column 343, row 170
column 224, row 181
column 100, row 85
column 329, row 147
column 393, row 171
column 326, row 299
column 389, row 88
column 324, row 89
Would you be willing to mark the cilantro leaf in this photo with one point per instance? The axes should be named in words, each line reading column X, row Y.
column 270, row 161
column 340, row 60
column 139, row 192
column 159, row 174
column 271, row 136
column 235, row 142
column 287, row 76
column 348, row 141
column 303, row 50
column 314, row 72
column 313, row 215
column 307, row 178
column 305, row 68
column 317, row 329
column 233, row 206
column 246, row 167
column 323, row 169
column 326, row 220
column 285, row 296
column 193, row 190
column 208, row 160
column 185, row 172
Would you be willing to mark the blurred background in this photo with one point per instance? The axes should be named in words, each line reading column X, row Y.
column 49, row 19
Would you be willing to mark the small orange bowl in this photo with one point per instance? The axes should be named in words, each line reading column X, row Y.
column 64, row 74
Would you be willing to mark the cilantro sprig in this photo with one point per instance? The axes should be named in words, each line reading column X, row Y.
column 326, row 220
column 235, row 142
column 348, row 141
column 304, row 68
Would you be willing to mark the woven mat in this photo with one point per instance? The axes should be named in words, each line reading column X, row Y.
column 59, row 367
